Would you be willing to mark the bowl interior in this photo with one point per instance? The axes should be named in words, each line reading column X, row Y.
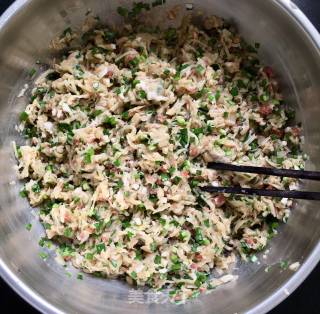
column 285, row 45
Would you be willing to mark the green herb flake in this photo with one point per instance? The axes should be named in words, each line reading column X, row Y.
column 89, row 256
column 172, row 170
column 120, row 184
column 43, row 255
column 88, row 155
column 110, row 121
column 162, row 222
column 176, row 180
column 125, row 116
column 135, row 83
column 183, row 137
column 217, row 95
column 153, row 198
column 181, row 121
column 78, row 72
column 126, row 224
column 195, row 294
column 96, row 113
column 194, row 183
column 166, row 72
column 23, row 116
column 23, row 193
column 134, row 62
column 130, row 234
column 164, row 177
column 139, row 256
column 198, row 235
column 68, row 232
column 183, row 235
column 176, row 267
column 153, row 246
column 100, row 247
column 44, row 242
column 201, row 279
column 264, row 97
column 157, row 259
column 114, row 263
column 174, row 258
column 200, row 69
column 198, row 131
column 32, row 72
column 133, row 275
column 36, row 188
column 47, row 226
column 284, row 264
column 29, row 226
column 117, row 163
column 253, row 258
column 234, row 91
column 142, row 94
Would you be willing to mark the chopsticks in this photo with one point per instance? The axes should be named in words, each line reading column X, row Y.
column 290, row 173
column 300, row 174
column 303, row 195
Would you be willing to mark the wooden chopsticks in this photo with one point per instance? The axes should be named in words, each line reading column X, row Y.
column 300, row 174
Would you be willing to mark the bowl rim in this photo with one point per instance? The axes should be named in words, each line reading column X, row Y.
column 42, row 305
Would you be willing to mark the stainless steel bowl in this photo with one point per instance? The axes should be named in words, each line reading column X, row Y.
column 289, row 43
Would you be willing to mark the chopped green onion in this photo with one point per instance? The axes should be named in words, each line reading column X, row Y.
column 253, row 258
column 43, row 255
column 234, row 91
column 114, row 263
column 110, row 121
column 133, row 274
column 23, row 193
column 181, row 121
column 68, row 232
column 200, row 69
column 117, row 162
column 183, row 234
column 28, row 226
column 88, row 256
column 100, row 247
column 164, row 176
column 23, row 116
column 157, row 259
column 183, row 137
column 176, row 180
column 142, row 94
column 36, row 188
column 284, row 264
column 88, row 156
column 32, row 72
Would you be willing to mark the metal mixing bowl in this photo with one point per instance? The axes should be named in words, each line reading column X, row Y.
column 289, row 43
